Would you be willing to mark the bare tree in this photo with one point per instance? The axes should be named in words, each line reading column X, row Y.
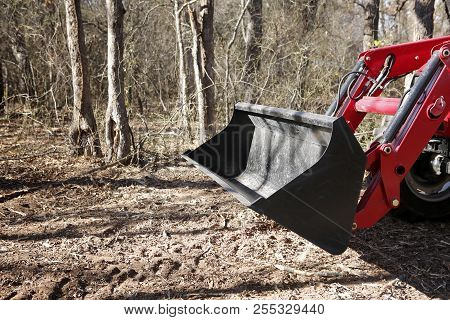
column 20, row 52
column 371, row 19
column 202, row 29
column 206, row 21
column 308, row 14
column 182, row 77
column 117, row 130
column 202, row 124
column 2, row 90
column 227, row 56
column 423, row 19
column 254, row 34
column 83, row 131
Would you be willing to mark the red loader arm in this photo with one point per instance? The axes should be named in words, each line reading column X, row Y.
column 424, row 113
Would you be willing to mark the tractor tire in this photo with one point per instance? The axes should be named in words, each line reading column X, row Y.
column 424, row 196
column 413, row 208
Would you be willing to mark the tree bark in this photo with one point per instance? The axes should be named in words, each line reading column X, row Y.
column 2, row 89
column 20, row 52
column 423, row 19
column 207, row 62
column 117, row 130
column 447, row 13
column 308, row 14
column 197, row 75
column 254, row 35
column 182, row 77
column 308, row 20
column 227, row 57
column 371, row 20
column 83, row 130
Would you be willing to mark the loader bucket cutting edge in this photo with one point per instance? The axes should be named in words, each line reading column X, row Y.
column 302, row 170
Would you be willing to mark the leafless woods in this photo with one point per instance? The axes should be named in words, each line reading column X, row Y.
column 92, row 66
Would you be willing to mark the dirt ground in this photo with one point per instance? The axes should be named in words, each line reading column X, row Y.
column 164, row 230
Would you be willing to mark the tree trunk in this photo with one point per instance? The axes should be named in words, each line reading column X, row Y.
column 371, row 19
column 423, row 19
column 20, row 52
column 308, row 20
column 227, row 57
column 197, row 75
column 254, row 35
column 83, row 131
column 182, row 77
column 207, row 62
column 117, row 130
column 2, row 90
column 308, row 14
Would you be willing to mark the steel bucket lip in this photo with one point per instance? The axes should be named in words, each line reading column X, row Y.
column 302, row 117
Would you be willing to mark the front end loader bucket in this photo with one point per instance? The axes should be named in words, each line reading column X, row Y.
column 303, row 170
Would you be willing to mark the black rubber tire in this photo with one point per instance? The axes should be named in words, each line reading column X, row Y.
column 413, row 208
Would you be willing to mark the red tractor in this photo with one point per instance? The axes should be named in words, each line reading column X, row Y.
column 306, row 170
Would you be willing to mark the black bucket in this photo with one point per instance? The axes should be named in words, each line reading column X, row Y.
column 303, row 170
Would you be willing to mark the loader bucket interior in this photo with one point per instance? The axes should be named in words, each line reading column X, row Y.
column 302, row 170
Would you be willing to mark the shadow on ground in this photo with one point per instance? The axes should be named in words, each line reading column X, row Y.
column 416, row 253
column 30, row 186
